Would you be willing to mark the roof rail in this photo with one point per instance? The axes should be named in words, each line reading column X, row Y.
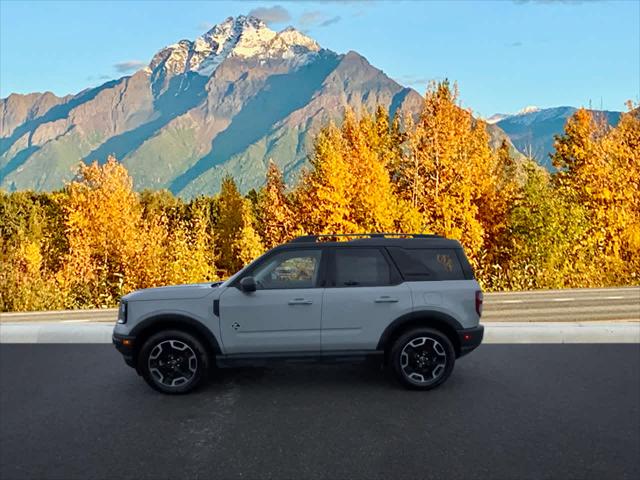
column 315, row 238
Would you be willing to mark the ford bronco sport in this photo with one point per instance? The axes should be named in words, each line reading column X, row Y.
column 409, row 300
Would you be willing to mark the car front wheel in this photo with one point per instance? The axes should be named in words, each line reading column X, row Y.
column 423, row 358
column 173, row 362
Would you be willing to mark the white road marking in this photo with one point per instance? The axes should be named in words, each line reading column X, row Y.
column 488, row 300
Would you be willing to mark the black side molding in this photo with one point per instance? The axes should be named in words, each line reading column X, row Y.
column 260, row 359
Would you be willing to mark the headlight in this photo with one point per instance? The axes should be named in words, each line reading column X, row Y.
column 122, row 312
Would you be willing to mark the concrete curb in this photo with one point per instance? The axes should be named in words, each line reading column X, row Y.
column 562, row 332
column 495, row 333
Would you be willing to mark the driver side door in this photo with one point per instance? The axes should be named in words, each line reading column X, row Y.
column 283, row 314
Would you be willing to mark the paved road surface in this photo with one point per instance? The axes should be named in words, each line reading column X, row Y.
column 573, row 305
column 508, row 411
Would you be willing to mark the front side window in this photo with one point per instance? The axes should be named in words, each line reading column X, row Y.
column 361, row 267
column 289, row 269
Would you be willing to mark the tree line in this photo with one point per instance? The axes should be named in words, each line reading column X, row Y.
column 522, row 227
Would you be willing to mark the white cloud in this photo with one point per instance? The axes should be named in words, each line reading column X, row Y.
column 205, row 26
column 275, row 14
column 317, row 19
column 413, row 80
column 129, row 66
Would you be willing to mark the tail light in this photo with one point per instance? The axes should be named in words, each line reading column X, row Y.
column 479, row 299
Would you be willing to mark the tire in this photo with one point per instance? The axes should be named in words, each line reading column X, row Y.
column 173, row 362
column 422, row 353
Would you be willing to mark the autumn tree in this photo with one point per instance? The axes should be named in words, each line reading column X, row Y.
column 447, row 171
column 523, row 227
column 494, row 208
column 190, row 256
column 544, row 233
column 31, row 243
column 102, row 220
column 365, row 149
column 322, row 199
column 349, row 189
column 622, row 145
column 598, row 168
column 236, row 239
column 276, row 221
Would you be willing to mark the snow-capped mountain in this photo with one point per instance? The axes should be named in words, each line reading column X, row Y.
column 223, row 103
column 497, row 117
column 245, row 37
column 532, row 129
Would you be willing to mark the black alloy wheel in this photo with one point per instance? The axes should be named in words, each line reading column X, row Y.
column 423, row 358
column 173, row 361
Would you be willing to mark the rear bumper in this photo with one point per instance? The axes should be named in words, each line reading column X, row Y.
column 125, row 345
column 470, row 339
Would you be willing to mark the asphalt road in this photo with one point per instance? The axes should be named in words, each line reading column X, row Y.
column 574, row 305
column 570, row 305
column 508, row 411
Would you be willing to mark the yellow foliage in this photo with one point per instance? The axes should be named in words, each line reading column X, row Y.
column 276, row 218
column 449, row 172
column 600, row 170
column 349, row 189
column 237, row 241
column 522, row 227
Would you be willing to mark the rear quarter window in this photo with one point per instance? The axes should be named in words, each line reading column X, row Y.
column 428, row 264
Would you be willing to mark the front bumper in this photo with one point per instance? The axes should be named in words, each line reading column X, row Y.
column 470, row 339
column 125, row 345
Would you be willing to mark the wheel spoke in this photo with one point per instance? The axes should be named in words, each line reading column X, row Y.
column 157, row 373
column 176, row 382
column 155, row 353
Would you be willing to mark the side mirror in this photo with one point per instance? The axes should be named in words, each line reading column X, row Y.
column 248, row 284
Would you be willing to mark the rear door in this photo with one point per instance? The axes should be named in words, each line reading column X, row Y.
column 364, row 294
column 283, row 314
column 440, row 280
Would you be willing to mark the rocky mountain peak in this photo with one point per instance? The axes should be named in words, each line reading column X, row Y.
column 241, row 36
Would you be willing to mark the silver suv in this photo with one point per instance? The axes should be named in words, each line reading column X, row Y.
column 409, row 300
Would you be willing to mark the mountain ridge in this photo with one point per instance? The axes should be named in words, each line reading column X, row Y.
column 532, row 131
column 224, row 103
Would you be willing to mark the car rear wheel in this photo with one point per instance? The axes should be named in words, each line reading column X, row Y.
column 173, row 362
column 423, row 358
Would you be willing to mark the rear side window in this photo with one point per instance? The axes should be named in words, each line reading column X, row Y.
column 428, row 264
column 361, row 267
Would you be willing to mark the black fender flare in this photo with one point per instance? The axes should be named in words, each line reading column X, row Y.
column 175, row 320
column 426, row 317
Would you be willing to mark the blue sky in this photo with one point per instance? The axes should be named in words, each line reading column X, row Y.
column 504, row 54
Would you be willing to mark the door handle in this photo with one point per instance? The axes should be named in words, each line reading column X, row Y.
column 300, row 301
column 386, row 299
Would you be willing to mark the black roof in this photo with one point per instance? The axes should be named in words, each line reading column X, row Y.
column 405, row 240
